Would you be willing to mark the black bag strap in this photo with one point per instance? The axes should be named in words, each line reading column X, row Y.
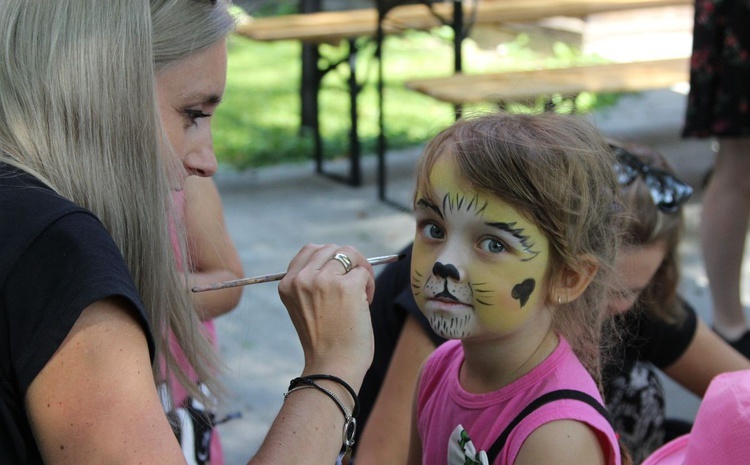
column 552, row 396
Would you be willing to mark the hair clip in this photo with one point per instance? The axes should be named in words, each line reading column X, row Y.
column 667, row 191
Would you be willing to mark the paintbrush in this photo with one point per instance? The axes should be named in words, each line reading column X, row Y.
column 267, row 278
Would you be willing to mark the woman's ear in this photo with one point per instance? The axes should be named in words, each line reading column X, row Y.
column 572, row 283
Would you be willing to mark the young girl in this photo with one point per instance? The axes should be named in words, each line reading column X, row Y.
column 516, row 235
column 659, row 329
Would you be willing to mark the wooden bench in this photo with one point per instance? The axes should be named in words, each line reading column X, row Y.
column 527, row 86
column 520, row 86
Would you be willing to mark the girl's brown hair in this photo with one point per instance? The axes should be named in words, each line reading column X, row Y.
column 557, row 171
column 645, row 224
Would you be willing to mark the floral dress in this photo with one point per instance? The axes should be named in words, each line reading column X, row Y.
column 719, row 99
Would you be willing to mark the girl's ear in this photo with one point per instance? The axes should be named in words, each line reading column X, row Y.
column 572, row 283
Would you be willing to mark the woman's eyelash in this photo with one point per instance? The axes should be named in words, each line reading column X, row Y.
column 196, row 114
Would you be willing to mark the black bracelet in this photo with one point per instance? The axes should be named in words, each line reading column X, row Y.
column 309, row 378
column 350, row 423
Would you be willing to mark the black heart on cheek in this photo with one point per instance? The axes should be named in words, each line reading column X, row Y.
column 523, row 290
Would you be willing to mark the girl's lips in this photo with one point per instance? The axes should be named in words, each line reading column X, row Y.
column 446, row 305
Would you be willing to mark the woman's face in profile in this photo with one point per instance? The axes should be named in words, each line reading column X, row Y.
column 636, row 267
column 188, row 93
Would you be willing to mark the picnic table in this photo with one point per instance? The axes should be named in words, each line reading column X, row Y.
column 344, row 28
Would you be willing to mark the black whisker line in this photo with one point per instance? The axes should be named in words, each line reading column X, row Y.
column 459, row 201
column 484, row 207
column 473, row 201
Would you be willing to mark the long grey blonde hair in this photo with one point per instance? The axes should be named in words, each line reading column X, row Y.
column 78, row 110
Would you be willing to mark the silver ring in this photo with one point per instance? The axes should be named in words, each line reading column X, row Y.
column 344, row 260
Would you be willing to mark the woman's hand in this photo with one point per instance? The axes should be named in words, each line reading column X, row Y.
column 330, row 310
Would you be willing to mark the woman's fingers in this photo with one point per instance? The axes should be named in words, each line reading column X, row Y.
column 327, row 291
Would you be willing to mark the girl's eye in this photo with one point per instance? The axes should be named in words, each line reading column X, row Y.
column 195, row 115
column 492, row 246
column 432, row 231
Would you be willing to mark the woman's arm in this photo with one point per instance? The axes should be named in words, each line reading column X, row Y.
column 705, row 357
column 213, row 256
column 415, row 442
column 95, row 400
column 384, row 439
column 330, row 311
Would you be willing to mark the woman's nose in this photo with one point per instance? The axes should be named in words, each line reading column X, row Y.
column 201, row 162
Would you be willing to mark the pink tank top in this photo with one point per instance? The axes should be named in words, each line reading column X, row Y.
column 200, row 443
column 457, row 427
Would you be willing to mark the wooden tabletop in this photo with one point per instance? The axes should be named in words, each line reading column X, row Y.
column 333, row 26
column 524, row 85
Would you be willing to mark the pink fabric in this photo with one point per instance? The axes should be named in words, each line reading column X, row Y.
column 721, row 432
column 671, row 453
column 179, row 393
column 443, row 405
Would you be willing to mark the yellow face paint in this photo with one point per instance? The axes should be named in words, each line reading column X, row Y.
column 478, row 265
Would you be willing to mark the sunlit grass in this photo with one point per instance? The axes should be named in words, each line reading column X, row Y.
column 258, row 123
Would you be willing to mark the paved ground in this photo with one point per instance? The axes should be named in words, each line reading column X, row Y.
column 272, row 212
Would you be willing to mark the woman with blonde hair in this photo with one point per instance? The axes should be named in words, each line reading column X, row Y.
column 104, row 109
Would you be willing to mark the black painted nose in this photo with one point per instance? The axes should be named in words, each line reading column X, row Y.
column 445, row 271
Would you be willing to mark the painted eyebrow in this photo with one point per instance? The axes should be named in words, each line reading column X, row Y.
column 521, row 241
column 457, row 203
column 431, row 206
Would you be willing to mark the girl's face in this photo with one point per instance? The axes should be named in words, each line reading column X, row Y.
column 636, row 267
column 478, row 265
column 188, row 93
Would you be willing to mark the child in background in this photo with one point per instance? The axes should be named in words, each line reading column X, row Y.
column 212, row 257
column 516, row 236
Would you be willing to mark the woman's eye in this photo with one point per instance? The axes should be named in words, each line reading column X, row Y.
column 432, row 231
column 492, row 246
column 195, row 115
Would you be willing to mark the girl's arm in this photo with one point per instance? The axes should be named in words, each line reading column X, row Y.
column 562, row 442
column 212, row 253
column 384, row 439
column 705, row 357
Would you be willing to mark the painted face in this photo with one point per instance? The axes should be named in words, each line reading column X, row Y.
column 188, row 92
column 478, row 265
column 636, row 267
